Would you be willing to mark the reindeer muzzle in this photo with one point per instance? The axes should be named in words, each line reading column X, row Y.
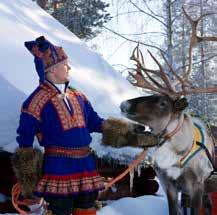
column 139, row 129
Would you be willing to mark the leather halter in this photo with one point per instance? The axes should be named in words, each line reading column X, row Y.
column 164, row 135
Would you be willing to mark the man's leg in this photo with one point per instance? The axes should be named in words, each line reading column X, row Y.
column 60, row 206
column 85, row 204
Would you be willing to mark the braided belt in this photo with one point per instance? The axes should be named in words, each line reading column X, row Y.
column 68, row 152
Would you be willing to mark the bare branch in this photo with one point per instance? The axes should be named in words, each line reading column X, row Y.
column 195, row 63
column 149, row 14
column 195, row 39
column 151, row 11
column 159, row 81
column 174, row 19
column 126, row 13
column 144, row 33
column 134, row 41
column 173, row 2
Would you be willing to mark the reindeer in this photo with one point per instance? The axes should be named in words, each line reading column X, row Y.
column 182, row 162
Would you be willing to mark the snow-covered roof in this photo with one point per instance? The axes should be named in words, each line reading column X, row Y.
column 22, row 21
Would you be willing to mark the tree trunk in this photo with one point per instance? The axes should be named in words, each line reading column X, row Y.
column 203, row 73
column 169, row 34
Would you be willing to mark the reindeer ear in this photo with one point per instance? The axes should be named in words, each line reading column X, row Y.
column 180, row 104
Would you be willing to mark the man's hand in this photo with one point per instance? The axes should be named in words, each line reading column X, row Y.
column 118, row 133
column 27, row 163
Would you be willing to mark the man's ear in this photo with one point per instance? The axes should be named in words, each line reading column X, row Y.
column 49, row 74
column 53, row 70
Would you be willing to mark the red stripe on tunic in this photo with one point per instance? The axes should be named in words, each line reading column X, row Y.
column 70, row 176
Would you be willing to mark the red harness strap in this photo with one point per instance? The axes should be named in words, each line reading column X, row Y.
column 142, row 155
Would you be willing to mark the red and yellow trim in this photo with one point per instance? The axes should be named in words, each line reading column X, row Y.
column 70, row 184
column 68, row 121
column 68, row 152
column 78, row 93
column 39, row 100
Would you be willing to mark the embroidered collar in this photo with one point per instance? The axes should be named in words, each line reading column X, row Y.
column 48, row 84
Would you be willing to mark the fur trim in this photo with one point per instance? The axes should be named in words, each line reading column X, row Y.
column 27, row 166
column 147, row 139
column 115, row 132
column 118, row 133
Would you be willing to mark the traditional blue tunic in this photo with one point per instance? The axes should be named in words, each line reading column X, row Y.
column 64, row 128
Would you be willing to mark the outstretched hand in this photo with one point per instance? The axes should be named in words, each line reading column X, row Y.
column 118, row 133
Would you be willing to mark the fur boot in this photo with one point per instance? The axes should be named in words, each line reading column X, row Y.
column 27, row 166
column 118, row 133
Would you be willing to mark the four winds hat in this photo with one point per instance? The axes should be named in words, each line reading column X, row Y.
column 46, row 55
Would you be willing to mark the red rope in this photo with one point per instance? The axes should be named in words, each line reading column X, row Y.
column 16, row 192
column 131, row 166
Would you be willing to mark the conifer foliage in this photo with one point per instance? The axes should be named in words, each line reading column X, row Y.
column 83, row 17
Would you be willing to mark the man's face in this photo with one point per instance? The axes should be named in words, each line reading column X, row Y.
column 61, row 73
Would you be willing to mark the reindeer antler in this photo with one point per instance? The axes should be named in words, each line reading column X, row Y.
column 158, row 81
column 144, row 76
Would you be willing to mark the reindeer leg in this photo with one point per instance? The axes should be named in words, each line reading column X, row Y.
column 207, row 204
column 197, row 199
column 172, row 196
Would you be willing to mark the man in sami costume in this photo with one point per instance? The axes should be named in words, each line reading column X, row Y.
column 62, row 118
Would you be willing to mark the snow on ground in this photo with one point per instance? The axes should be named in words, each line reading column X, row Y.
column 150, row 205
column 23, row 20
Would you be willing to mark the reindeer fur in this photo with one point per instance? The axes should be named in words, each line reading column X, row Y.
column 158, row 112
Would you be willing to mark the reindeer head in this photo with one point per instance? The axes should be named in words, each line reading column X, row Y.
column 154, row 111
column 157, row 110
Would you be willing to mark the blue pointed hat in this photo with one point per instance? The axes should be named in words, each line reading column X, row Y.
column 46, row 55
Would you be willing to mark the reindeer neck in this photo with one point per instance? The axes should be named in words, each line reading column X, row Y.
column 174, row 125
column 178, row 127
column 182, row 139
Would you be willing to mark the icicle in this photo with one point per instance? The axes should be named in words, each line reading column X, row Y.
column 139, row 167
column 114, row 189
column 131, row 179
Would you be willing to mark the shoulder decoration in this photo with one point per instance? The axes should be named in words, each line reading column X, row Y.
column 39, row 100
